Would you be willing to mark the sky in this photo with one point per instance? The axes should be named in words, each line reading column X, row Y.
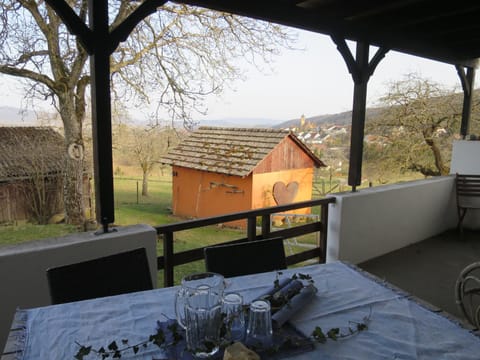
column 312, row 81
column 316, row 81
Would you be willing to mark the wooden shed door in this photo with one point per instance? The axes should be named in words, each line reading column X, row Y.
column 5, row 206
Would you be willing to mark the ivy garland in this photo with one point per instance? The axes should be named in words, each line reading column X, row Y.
column 115, row 351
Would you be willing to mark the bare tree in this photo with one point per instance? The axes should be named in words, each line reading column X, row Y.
column 419, row 123
column 146, row 146
column 173, row 59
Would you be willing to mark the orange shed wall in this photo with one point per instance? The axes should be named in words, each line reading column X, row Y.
column 201, row 194
column 262, row 192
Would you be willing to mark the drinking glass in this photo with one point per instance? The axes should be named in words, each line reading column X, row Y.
column 203, row 320
column 259, row 329
column 234, row 319
column 192, row 283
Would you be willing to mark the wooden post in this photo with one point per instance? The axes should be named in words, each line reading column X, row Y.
column 101, row 112
column 467, row 81
column 358, row 116
column 100, row 44
column 361, row 69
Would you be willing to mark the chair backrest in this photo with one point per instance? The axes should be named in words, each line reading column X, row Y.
column 110, row 275
column 468, row 190
column 246, row 258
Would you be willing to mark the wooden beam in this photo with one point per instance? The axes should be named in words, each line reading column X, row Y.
column 467, row 80
column 73, row 23
column 123, row 30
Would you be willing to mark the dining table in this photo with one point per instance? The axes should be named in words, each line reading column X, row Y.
column 395, row 324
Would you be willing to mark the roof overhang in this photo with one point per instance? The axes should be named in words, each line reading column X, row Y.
column 447, row 31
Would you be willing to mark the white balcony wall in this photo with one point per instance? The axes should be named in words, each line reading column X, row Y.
column 375, row 221
column 23, row 267
column 465, row 157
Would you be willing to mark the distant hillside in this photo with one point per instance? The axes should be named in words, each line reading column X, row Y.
column 343, row 118
column 239, row 122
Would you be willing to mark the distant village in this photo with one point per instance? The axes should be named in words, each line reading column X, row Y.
column 328, row 141
column 331, row 141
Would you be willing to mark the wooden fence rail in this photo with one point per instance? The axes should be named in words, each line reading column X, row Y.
column 170, row 259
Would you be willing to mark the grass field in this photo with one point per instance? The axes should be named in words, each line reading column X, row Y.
column 133, row 208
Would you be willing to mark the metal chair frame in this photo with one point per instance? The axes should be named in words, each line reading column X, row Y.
column 467, row 293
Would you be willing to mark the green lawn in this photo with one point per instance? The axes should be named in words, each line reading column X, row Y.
column 132, row 208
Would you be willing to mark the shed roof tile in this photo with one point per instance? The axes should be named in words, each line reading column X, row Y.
column 25, row 151
column 231, row 151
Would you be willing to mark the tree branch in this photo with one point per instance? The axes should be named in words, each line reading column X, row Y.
column 31, row 75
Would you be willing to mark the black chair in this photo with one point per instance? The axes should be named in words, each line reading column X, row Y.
column 110, row 275
column 246, row 258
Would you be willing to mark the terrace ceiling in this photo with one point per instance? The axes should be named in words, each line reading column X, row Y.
column 447, row 31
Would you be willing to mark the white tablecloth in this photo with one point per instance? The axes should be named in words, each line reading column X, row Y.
column 399, row 328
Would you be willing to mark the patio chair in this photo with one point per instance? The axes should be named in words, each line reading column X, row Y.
column 467, row 293
column 468, row 195
column 245, row 258
column 110, row 275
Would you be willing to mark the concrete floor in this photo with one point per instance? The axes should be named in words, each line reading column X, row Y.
column 429, row 269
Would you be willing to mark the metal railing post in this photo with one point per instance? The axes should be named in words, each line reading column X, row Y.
column 323, row 233
column 265, row 225
column 251, row 228
column 168, row 259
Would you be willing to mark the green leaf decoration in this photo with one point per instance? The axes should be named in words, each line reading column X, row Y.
column 318, row 335
column 362, row 326
column 333, row 334
column 159, row 338
column 177, row 337
column 83, row 351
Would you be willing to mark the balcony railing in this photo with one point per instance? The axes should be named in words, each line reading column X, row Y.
column 170, row 259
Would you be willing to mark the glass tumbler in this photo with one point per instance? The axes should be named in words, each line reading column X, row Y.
column 259, row 329
column 203, row 320
column 234, row 319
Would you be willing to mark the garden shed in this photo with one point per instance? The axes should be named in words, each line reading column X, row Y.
column 31, row 174
column 219, row 170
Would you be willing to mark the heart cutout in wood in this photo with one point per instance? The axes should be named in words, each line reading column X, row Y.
column 284, row 194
